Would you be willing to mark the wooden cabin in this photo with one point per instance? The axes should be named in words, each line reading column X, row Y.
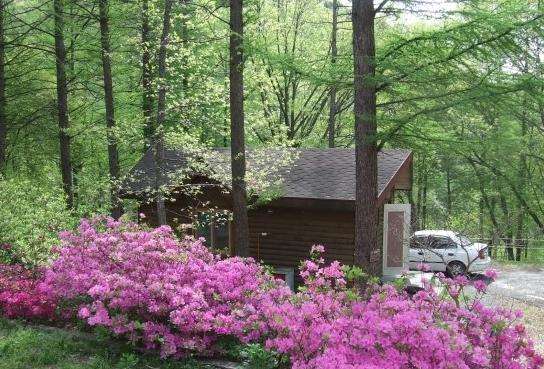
column 315, row 204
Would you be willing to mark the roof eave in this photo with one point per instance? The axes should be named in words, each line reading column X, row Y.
column 386, row 192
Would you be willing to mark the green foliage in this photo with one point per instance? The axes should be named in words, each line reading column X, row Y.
column 463, row 85
column 42, row 348
column 252, row 355
column 269, row 194
column 33, row 212
column 128, row 361
column 401, row 283
column 355, row 274
column 256, row 356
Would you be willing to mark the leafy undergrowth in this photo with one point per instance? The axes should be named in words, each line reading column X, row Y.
column 24, row 347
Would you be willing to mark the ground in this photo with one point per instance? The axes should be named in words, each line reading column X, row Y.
column 524, row 283
column 23, row 347
column 521, row 287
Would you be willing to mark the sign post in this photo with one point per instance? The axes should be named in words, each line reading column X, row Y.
column 396, row 235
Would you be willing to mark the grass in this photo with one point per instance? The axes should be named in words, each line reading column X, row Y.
column 32, row 347
column 524, row 264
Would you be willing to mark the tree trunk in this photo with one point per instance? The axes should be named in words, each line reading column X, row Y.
column 485, row 200
column 509, row 239
column 147, row 77
column 185, row 44
column 332, row 93
column 424, row 199
column 113, row 154
column 481, row 219
column 418, row 198
column 496, row 234
column 3, row 122
column 448, row 191
column 519, row 233
column 238, row 159
column 515, row 190
column 367, row 250
column 523, row 173
column 158, row 132
column 62, row 104
column 413, row 211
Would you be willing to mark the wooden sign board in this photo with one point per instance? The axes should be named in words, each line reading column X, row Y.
column 396, row 234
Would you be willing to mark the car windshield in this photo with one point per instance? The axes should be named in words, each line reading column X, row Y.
column 465, row 241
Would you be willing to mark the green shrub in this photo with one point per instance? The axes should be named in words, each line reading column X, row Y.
column 256, row 356
column 32, row 213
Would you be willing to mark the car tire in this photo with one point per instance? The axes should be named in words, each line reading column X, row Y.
column 455, row 268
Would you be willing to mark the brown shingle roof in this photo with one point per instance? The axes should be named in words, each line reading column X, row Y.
column 313, row 174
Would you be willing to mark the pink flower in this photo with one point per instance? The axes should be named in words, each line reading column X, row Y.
column 22, row 294
column 491, row 274
column 480, row 286
column 176, row 298
column 84, row 313
column 424, row 267
column 317, row 249
column 134, row 279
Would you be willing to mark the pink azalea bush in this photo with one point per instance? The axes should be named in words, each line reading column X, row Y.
column 328, row 325
column 171, row 295
column 21, row 295
column 177, row 297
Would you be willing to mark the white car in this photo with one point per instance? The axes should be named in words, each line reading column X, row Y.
column 447, row 251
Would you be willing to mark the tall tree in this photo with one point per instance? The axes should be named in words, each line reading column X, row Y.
column 332, row 93
column 158, row 132
column 3, row 123
column 62, row 104
column 237, row 136
column 147, row 75
column 366, row 149
column 520, row 213
column 113, row 153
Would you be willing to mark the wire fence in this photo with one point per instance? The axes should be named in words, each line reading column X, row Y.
column 515, row 250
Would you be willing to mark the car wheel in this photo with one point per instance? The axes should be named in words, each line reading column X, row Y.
column 456, row 268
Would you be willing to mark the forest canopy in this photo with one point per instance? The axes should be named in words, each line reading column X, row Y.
column 458, row 82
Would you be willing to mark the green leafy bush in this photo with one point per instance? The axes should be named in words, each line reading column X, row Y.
column 254, row 355
column 32, row 213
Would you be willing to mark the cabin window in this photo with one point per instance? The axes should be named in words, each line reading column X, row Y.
column 285, row 274
column 220, row 234
column 214, row 228
column 203, row 226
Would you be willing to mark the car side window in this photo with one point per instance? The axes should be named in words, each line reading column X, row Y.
column 418, row 242
column 442, row 243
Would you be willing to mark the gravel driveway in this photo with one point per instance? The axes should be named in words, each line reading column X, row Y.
column 521, row 288
column 525, row 284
